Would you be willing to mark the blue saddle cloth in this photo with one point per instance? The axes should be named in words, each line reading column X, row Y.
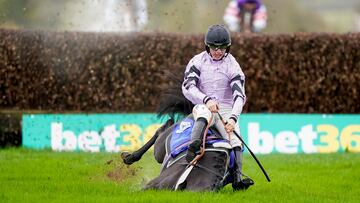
column 181, row 136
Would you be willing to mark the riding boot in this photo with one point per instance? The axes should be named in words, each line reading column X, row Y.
column 239, row 183
column 196, row 137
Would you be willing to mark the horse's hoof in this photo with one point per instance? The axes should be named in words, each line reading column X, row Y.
column 127, row 158
column 243, row 184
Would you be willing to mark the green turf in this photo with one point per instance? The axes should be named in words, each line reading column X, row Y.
column 45, row 176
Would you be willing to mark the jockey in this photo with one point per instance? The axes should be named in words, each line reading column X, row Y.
column 235, row 18
column 215, row 83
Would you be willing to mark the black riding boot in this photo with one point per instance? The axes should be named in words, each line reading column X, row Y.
column 239, row 183
column 196, row 136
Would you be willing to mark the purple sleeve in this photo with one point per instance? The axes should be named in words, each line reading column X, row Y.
column 237, row 85
column 190, row 87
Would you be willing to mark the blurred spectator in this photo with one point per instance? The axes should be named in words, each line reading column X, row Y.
column 245, row 16
column 357, row 23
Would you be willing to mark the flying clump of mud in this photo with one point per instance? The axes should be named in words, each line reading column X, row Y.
column 119, row 171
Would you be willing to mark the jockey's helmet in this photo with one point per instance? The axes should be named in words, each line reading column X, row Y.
column 217, row 36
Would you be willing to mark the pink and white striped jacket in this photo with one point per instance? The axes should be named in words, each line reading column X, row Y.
column 233, row 13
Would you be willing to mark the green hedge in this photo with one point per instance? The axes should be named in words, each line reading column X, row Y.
column 97, row 72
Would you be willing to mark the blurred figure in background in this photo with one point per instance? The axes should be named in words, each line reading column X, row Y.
column 245, row 16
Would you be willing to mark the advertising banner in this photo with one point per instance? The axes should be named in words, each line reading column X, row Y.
column 88, row 132
column 301, row 133
column 264, row 133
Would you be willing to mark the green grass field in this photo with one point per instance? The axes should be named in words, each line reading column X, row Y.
column 46, row 176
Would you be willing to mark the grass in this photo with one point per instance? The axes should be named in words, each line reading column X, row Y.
column 46, row 176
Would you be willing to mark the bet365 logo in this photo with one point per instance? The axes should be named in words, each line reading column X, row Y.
column 127, row 137
column 324, row 138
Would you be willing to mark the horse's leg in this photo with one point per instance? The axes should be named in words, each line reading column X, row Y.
column 136, row 156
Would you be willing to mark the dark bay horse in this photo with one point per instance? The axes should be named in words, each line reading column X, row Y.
column 211, row 172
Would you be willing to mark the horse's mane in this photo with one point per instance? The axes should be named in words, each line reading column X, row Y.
column 172, row 101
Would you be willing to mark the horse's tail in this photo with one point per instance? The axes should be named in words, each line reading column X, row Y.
column 172, row 101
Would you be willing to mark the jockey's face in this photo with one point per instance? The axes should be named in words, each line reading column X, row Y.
column 217, row 53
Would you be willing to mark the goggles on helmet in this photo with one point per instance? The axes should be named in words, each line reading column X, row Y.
column 216, row 47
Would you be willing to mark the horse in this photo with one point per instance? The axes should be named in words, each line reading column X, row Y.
column 210, row 172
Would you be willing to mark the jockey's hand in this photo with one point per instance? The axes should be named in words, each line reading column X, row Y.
column 230, row 125
column 212, row 106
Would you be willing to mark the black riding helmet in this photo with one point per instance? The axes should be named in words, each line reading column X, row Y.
column 217, row 36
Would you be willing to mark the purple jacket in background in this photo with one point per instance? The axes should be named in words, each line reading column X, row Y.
column 258, row 3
